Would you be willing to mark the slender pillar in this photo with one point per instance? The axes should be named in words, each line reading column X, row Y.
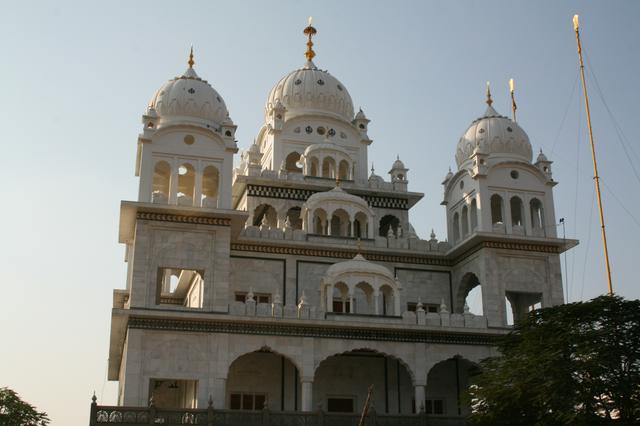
column 351, row 310
column 307, row 394
column 420, row 397
column 219, row 393
column 173, row 183
column 197, row 193
column 329, row 298
column 376, row 300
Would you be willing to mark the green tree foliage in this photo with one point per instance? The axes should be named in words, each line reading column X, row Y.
column 16, row 412
column 574, row 364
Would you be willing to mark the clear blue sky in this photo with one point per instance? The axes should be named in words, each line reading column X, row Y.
column 77, row 76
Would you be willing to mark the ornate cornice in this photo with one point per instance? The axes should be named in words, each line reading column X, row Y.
column 339, row 253
column 198, row 220
column 504, row 245
column 522, row 246
column 324, row 331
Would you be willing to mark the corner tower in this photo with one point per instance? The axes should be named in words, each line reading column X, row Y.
column 497, row 189
column 185, row 151
column 499, row 207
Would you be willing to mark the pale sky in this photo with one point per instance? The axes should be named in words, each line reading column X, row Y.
column 76, row 78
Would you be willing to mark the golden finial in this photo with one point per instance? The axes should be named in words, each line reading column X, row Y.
column 489, row 100
column 191, row 61
column 512, row 88
column 310, row 31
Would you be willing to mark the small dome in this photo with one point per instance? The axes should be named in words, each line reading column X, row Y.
column 358, row 265
column 309, row 90
column 188, row 99
column 327, row 147
column 254, row 147
column 541, row 157
column 373, row 177
column 338, row 196
column 498, row 136
column 398, row 165
column 360, row 115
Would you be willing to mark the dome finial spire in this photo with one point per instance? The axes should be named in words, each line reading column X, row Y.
column 489, row 100
column 191, row 61
column 310, row 31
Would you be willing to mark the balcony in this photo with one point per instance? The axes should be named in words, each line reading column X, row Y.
column 136, row 416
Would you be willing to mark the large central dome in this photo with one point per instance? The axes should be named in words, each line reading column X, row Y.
column 309, row 90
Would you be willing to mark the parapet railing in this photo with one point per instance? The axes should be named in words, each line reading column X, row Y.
column 136, row 416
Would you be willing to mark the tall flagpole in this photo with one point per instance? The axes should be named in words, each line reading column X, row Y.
column 596, row 178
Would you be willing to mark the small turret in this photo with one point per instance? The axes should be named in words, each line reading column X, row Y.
column 544, row 165
column 398, row 174
column 362, row 123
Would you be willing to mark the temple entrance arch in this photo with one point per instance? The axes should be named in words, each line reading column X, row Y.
column 263, row 378
column 447, row 382
column 341, row 382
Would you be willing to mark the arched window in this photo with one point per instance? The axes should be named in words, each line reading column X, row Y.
column 456, row 227
column 465, row 221
column 474, row 215
column 291, row 163
column 516, row 211
column 266, row 214
column 469, row 292
column 319, row 222
column 161, row 180
column 186, row 184
column 363, row 298
column 360, row 226
column 340, row 223
column 343, row 172
column 314, row 166
column 496, row 209
column 210, row 179
column 293, row 215
column 329, row 168
column 388, row 222
column 537, row 214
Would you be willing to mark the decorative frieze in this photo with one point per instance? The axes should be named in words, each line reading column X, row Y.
column 299, row 194
column 324, row 331
column 197, row 220
column 338, row 253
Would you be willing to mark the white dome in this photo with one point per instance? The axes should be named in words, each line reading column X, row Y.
column 358, row 265
column 398, row 164
column 336, row 196
column 309, row 90
column 326, row 147
column 498, row 136
column 188, row 99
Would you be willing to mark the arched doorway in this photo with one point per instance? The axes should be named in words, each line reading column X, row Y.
column 447, row 383
column 341, row 383
column 263, row 378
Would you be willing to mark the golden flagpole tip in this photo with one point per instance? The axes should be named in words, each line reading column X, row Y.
column 576, row 22
column 191, row 61
column 511, row 85
column 309, row 31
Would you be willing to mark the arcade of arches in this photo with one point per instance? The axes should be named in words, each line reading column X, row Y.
column 339, row 384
